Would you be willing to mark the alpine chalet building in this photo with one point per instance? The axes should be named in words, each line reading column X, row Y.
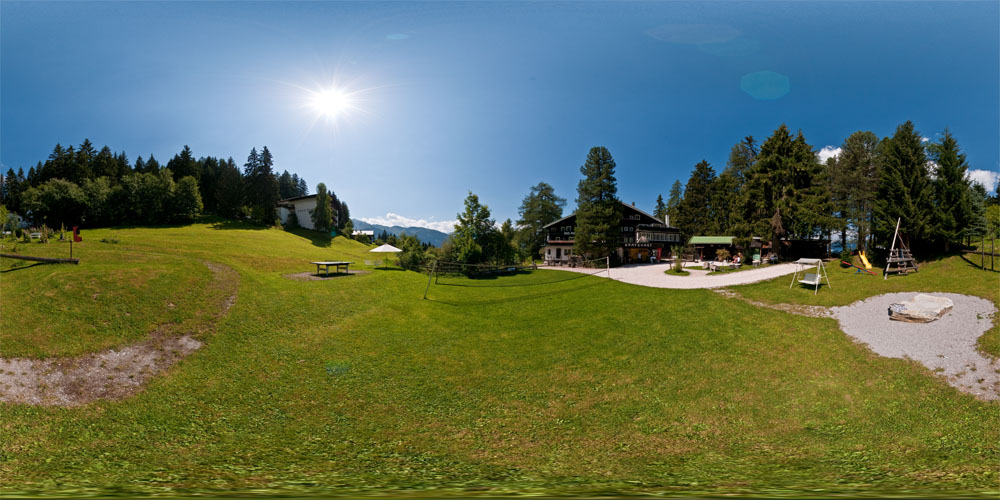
column 644, row 238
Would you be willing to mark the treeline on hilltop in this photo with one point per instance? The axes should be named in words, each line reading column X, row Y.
column 775, row 190
column 84, row 186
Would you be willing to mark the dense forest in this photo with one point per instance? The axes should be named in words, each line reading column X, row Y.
column 90, row 187
column 780, row 190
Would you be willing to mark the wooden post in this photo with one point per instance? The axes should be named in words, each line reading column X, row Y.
column 885, row 274
column 982, row 253
column 993, row 250
column 608, row 263
column 71, row 248
column 433, row 272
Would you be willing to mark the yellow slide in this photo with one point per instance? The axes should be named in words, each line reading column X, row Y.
column 864, row 259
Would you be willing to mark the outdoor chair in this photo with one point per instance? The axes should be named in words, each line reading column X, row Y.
column 756, row 260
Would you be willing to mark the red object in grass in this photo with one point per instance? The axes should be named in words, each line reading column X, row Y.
column 76, row 234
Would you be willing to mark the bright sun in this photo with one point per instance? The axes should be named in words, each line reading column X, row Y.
column 331, row 103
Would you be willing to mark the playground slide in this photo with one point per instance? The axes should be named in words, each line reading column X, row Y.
column 864, row 259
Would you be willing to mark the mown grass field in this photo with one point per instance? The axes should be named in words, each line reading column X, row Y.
column 543, row 383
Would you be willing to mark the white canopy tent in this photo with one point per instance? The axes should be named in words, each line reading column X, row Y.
column 387, row 248
column 810, row 278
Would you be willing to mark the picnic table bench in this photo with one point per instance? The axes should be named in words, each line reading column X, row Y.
column 336, row 263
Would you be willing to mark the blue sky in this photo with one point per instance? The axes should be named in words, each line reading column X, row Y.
column 490, row 97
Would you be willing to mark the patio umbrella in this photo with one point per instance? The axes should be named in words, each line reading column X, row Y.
column 387, row 248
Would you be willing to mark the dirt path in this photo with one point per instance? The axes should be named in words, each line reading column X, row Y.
column 115, row 373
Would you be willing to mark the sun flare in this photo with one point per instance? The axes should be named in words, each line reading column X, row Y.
column 331, row 103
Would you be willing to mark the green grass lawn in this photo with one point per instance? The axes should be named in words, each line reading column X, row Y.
column 542, row 383
column 675, row 272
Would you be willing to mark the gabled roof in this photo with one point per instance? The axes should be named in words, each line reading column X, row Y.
column 711, row 240
column 633, row 207
column 297, row 198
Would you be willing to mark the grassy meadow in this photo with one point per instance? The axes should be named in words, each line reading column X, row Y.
column 542, row 383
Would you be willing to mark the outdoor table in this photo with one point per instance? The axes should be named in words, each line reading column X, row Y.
column 336, row 263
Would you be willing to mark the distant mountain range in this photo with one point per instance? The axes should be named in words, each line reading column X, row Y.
column 423, row 234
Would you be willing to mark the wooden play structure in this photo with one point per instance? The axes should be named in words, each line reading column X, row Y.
column 811, row 279
column 900, row 260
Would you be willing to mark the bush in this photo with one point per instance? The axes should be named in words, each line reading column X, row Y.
column 845, row 256
column 292, row 221
column 722, row 254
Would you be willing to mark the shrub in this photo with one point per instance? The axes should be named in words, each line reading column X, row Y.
column 721, row 254
column 292, row 221
column 845, row 256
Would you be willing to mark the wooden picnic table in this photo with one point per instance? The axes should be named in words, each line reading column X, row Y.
column 336, row 263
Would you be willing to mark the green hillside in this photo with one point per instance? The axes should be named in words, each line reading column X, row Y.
column 543, row 383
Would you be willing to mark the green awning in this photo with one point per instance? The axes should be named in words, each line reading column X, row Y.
column 711, row 240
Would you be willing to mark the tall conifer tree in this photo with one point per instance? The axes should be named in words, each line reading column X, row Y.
column 598, row 212
column 905, row 190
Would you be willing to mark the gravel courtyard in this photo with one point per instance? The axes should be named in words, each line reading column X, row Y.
column 652, row 275
column 946, row 346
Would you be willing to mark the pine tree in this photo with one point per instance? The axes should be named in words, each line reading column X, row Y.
column 322, row 215
column 140, row 164
column 183, row 164
column 229, row 191
column 104, row 164
column 343, row 215
column 695, row 213
column 788, row 194
column 853, row 178
column 952, row 204
column 661, row 208
column 540, row 207
column 261, row 187
column 674, row 201
column 598, row 212
column 905, row 190
column 303, row 187
column 285, row 187
column 152, row 166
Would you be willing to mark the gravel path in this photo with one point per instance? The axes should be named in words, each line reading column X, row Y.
column 652, row 275
column 946, row 346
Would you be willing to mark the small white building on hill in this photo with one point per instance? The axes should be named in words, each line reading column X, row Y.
column 302, row 207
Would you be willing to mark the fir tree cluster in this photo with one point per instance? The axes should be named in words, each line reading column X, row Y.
column 780, row 190
column 99, row 188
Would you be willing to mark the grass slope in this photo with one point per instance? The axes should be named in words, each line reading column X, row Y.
column 541, row 383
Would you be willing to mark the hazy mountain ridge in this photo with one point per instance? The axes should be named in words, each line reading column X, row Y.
column 423, row 234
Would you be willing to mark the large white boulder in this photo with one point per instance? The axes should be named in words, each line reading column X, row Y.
column 920, row 309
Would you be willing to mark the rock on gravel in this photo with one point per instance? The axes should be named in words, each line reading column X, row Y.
column 922, row 308
column 946, row 346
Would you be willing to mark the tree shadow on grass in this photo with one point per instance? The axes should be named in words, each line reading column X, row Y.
column 233, row 224
column 979, row 265
column 5, row 271
column 520, row 298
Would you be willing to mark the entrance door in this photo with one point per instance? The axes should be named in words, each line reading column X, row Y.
column 558, row 253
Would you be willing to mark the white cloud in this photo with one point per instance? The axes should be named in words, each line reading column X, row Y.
column 391, row 219
column 925, row 139
column 827, row 152
column 987, row 178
